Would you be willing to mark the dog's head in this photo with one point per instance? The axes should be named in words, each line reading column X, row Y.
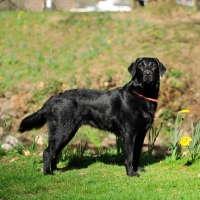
column 147, row 70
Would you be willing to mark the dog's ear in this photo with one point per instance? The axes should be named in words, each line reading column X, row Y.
column 132, row 67
column 162, row 68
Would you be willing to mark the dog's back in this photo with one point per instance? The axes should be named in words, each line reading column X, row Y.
column 59, row 101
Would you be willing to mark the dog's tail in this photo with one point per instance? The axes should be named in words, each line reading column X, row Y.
column 39, row 118
column 34, row 121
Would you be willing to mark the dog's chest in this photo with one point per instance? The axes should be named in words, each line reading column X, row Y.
column 148, row 114
column 143, row 115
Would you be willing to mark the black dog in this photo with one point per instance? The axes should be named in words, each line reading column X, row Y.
column 127, row 111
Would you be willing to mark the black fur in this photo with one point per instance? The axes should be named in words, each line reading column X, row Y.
column 121, row 111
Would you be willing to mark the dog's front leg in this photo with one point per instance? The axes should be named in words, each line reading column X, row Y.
column 139, row 140
column 128, row 155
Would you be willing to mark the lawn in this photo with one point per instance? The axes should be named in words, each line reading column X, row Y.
column 98, row 177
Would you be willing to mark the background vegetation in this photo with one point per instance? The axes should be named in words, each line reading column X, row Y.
column 45, row 53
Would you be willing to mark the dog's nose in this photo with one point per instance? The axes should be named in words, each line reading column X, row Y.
column 147, row 73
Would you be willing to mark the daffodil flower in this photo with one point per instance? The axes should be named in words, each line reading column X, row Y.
column 108, row 41
column 184, row 111
column 184, row 141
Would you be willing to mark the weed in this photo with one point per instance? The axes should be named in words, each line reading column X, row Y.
column 19, row 148
column 119, row 146
column 42, row 19
column 2, row 152
column 176, row 131
column 128, row 22
column 152, row 136
column 174, row 73
column 93, row 136
column 6, row 128
column 194, row 148
column 80, row 148
column 195, row 141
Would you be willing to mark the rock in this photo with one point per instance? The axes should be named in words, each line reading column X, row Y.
column 105, row 143
column 1, row 132
column 14, row 107
column 14, row 99
column 11, row 140
column 7, row 146
column 112, row 136
column 109, row 141
column 21, row 103
column 7, row 106
column 14, row 159
column 4, row 117
column 7, row 110
column 41, row 86
column 26, row 88
column 40, row 140
column 106, row 84
column 8, row 94
column 41, row 154
column 26, row 152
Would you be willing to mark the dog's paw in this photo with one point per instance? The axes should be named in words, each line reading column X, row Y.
column 140, row 169
column 131, row 174
column 136, row 174
column 48, row 173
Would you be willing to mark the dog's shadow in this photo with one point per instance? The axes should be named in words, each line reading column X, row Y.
column 80, row 162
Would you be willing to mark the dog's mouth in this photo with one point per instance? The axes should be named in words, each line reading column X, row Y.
column 148, row 79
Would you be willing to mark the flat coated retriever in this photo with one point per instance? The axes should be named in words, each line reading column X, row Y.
column 126, row 111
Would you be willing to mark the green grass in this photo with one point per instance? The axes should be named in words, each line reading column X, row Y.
column 98, row 178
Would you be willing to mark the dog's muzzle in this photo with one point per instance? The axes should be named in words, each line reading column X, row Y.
column 148, row 76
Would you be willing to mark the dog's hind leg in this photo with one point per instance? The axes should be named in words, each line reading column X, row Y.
column 62, row 145
column 51, row 153
column 59, row 137
column 46, row 161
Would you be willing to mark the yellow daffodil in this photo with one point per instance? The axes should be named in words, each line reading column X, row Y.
column 108, row 41
column 154, row 32
column 20, row 14
column 184, row 111
column 184, row 141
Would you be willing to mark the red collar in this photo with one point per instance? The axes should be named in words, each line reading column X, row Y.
column 150, row 99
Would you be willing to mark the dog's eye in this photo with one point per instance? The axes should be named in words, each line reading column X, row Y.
column 141, row 66
column 153, row 66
